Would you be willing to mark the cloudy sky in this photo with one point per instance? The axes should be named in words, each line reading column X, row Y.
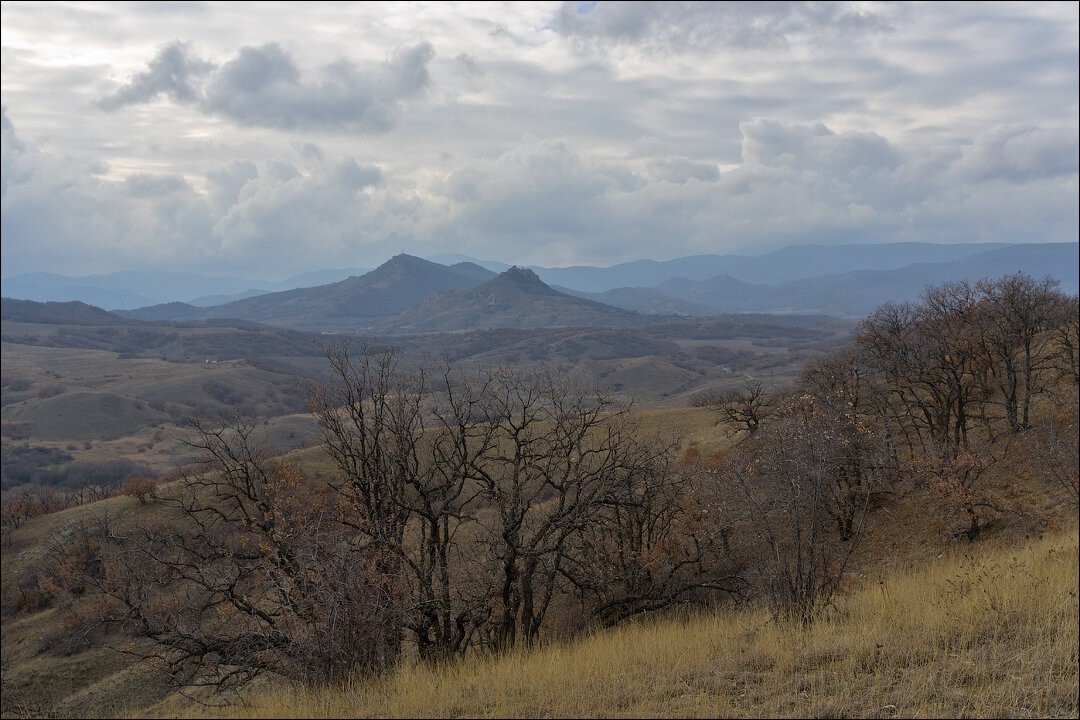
column 264, row 140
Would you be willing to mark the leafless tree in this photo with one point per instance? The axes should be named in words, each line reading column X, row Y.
column 927, row 357
column 1011, row 322
column 798, row 495
column 253, row 572
column 407, row 447
column 1063, row 347
column 560, row 446
column 744, row 408
column 656, row 543
column 1054, row 443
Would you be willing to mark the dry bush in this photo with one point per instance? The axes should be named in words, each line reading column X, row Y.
column 257, row 574
column 140, row 487
column 1054, row 444
column 50, row 391
column 797, row 495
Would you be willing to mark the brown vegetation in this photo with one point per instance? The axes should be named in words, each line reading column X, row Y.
column 493, row 509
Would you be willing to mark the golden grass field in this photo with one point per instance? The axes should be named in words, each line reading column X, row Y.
column 985, row 633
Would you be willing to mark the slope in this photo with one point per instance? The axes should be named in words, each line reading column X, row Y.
column 516, row 298
column 357, row 302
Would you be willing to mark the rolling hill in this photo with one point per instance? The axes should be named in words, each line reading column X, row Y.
column 856, row 293
column 54, row 313
column 516, row 298
column 790, row 263
column 357, row 302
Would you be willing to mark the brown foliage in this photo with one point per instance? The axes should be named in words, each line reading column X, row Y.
column 797, row 495
column 259, row 574
column 139, row 487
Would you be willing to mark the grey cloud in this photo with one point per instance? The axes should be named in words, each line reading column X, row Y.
column 57, row 213
column 263, row 87
column 311, row 152
column 350, row 175
column 12, row 147
column 225, row 183
column 682, row 25
column 145, row 185
column 537, row 189
column 174, row 72
column 679, row 170
column 255, row 218
column 815, row 147
column 798, row 183
column 1020, row 152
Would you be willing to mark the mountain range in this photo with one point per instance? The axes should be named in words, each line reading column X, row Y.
column 411, row 294
column 130, row 289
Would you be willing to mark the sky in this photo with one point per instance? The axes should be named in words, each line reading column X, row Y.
column 266, row 140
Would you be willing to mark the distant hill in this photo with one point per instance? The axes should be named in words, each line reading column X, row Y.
column 357, row 302
column 125, row 289
column 211, row 300
column 516, row 298
column 128, row 289
column 722, row 293
column 859, row 292
column 166, row 311
column 56, row 313
column 454, row 258
column 790, row 263
column 647, row 301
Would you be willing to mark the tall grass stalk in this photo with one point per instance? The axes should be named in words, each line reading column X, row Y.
column 988, row 634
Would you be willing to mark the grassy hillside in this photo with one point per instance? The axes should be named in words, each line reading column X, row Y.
column 991, row 633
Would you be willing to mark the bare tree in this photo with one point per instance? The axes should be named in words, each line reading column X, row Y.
column 1013, row 316
column 927, row 355
column 1063, row 348
column 408, row 448
column 1054, row 444
column 744, row 408
column 560, row 447
column 656, row 543
column 798, row 495
column 252, row 573
column 958, row 480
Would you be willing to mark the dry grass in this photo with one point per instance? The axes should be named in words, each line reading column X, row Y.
column 993, row 634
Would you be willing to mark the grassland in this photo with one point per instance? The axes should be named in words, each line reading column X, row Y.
column 987, row 633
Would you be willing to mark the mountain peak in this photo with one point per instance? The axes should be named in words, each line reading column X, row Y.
column 522, row 279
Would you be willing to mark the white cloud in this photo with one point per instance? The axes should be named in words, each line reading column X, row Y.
column 262, row 86
column 299, row 136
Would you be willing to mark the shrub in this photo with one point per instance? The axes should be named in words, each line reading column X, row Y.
column 139, row 487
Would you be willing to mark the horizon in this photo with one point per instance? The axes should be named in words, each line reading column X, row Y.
column 466, row 258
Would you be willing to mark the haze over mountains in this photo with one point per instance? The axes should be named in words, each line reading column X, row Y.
column 410, row 294
column 129, row 289
column 515, row 298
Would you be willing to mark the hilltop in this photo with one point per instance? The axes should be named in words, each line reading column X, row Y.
column 516, row 298
column 354, row 303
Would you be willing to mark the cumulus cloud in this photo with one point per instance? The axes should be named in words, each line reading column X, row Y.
column 680, row 170
column 797, row 183
column 173, row 73
column 61, row 213
column 815, row 147
column 263, row 87
column 1018, row 153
